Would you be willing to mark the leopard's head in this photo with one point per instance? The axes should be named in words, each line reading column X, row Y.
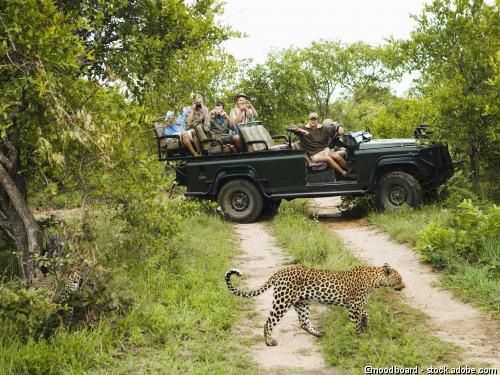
column 391, row 278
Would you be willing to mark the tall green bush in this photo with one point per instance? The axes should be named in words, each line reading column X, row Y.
column 466, row 238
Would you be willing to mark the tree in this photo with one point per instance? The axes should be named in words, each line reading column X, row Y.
column 331, row 67
column 455, row 47
column 74, row 78
column 279, row 89
column 293, row 82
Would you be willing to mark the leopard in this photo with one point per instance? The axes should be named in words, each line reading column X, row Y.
column 59, row 289
column 60, row 280
column 298, row 286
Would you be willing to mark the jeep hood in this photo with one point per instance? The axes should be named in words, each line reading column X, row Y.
column 387, row 143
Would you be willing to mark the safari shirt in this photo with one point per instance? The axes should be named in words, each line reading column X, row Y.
column 218, row 126
column 317, row 139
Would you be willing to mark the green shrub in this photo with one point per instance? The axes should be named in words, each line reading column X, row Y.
column 31, row 312
column 466, row 238
column 458, row 188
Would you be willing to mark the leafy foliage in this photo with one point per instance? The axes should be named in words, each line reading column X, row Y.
column 458, row 188
column 465, row 238
column 32, row 311
column 455, row 48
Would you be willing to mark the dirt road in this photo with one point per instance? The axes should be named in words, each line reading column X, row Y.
column 297, row 351
column 452, row 320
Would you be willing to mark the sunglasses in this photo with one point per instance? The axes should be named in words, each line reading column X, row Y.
column 313, row 118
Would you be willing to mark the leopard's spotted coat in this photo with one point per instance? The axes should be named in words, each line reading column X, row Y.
column 297, row 286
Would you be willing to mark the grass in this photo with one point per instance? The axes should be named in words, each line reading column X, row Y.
column 397, row 334
column 477, row 283
column 180, row 321
column 403, row 226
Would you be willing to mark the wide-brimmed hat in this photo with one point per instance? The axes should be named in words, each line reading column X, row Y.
column 328, row 122
column 313, row 114
column 241, row 95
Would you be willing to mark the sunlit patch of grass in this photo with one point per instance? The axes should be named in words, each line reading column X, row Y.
column 396, row 335
column 404, row 225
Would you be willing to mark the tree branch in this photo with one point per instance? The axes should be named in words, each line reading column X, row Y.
column 7, row 163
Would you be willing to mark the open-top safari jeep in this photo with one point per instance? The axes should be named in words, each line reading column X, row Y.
column 253, row 182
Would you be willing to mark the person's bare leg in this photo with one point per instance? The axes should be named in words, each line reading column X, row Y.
column 338, row 158
column 187, row 143
column 196, row 140
column 237, row 142
column 332, row 163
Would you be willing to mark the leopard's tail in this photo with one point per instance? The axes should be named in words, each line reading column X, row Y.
column 249, row 294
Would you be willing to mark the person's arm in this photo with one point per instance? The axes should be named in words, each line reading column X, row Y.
column 208, row 127
column 250, row 106
column 190, row 118
column 236, row 116
column 206, row 118
column 297, row 130
column 228, row 119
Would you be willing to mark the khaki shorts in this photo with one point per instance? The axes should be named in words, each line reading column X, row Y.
column 324, row 152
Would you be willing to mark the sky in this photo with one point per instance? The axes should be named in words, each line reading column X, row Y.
column 280, row 24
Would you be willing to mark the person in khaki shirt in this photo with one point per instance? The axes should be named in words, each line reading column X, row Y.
column 315, row 139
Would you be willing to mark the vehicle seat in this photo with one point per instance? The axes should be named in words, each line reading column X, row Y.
column 309, row 163
column 257, row 138
column 209, row 144
column 168, row 146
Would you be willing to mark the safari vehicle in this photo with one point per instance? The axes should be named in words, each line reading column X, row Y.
column 254, row 182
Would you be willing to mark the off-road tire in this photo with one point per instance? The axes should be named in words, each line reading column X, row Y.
column 396, row 189
column 271, row 207
column 240, row 201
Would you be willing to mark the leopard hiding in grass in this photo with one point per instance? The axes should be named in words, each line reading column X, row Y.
column 297, row 286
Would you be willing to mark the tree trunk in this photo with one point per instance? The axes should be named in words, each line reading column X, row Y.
column 20, row 224
column 474, row 164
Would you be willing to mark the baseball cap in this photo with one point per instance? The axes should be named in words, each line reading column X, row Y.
column 312, row 115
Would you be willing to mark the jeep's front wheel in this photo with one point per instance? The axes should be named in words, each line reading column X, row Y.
column 396, row 189
column 240, row 201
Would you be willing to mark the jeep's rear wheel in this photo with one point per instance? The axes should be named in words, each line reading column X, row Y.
column 240, row 201
column 396, row 189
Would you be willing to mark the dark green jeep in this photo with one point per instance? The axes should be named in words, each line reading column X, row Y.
column 253, row 182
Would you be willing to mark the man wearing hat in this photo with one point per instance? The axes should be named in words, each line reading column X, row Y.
column 315, row 139
column 243, row 111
